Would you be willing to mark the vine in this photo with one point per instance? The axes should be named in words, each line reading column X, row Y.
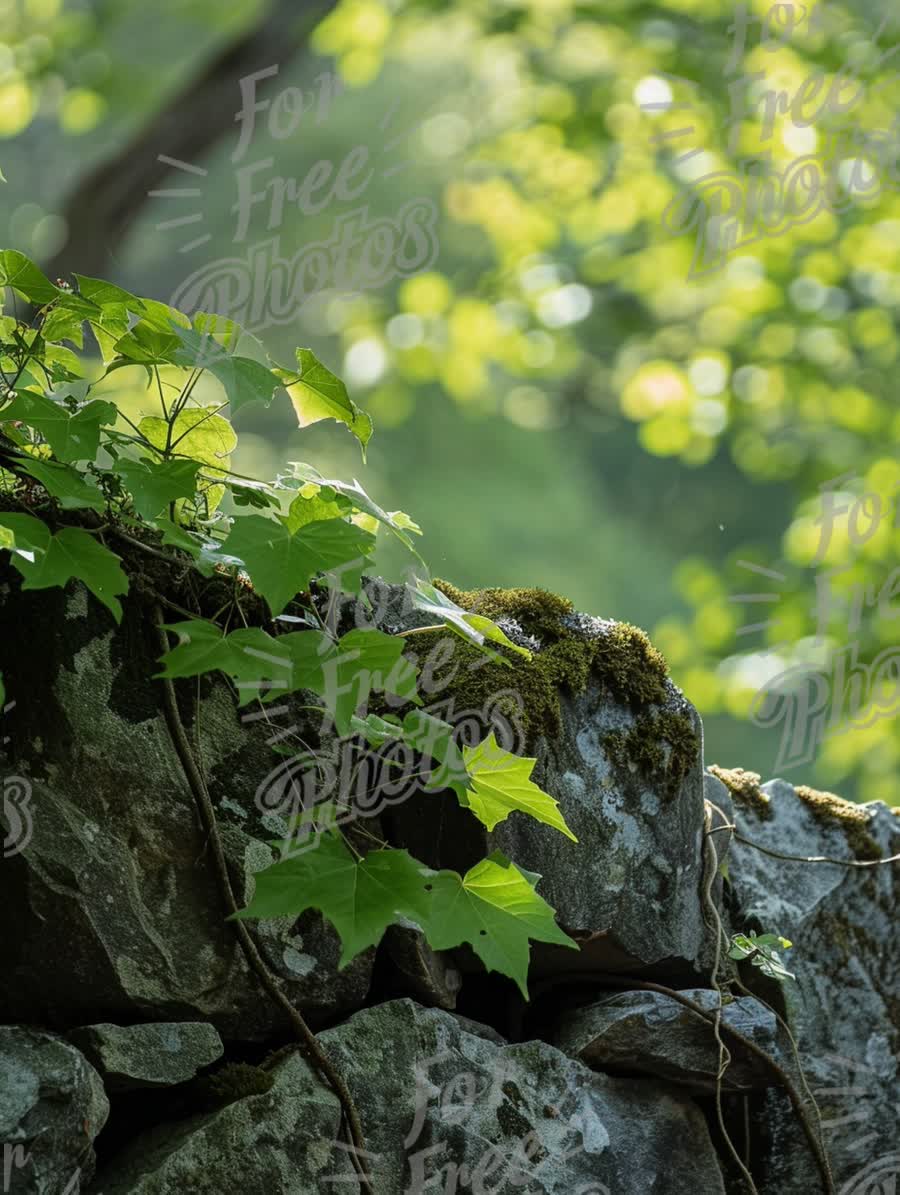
column 81, row 470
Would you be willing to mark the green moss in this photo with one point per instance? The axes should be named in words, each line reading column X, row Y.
column 745, row 788
column 642, row 745
column 235, row 1081
column 563, row 666
column 621, row 656
column 537, row 611
column 853, row 819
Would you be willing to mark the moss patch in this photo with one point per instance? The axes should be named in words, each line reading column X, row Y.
column 642, row 745
column 853, row 819
column 745, row 787
column 619, row 655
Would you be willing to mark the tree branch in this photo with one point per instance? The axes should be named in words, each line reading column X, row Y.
column 107, row 199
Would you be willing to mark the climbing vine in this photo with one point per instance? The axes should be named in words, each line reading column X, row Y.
column 81, row 475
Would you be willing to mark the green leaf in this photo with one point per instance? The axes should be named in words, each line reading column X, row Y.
column 430, row 736
column 250, row 657
column 281, row 564
column 314, row 504
column 65, row 484
column 496, row 909
column 154, row 485
column 199, row 434
column 178, row 537
column 316, row 393
column 17, row 271
column 70, row 553
column 501, row 783
column 359, row 499
column 71, row 437
column 363, row 662
column 474, row 628
column 360, row 899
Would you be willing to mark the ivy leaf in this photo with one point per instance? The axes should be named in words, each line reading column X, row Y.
column 475, row 628
column 501, row 783
column 366, row 661
column 281, row 564
column 316, row 393
column 200, row 434
column 248, row 656
column 178, row 537
column 314, row 504
column 496, row 909
column 360, row 500
column 46, row 560
column 71, row 437
column 360, row 899
column 65, row 484
column 426, row 734
column 154, row 485
column 17, row 271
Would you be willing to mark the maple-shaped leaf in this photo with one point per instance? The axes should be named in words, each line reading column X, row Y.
column 250, row 657
column 153, row 485
column 46, row 560
column 495, row 908
column 360, row 899
column 72, row 437
column 316, row 393
column 66, row 484
column 366, row 662
column 501, row 783
column 281, row 563
column 371, row 514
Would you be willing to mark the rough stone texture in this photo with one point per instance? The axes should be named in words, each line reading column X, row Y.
column 843, row 1008
column 113, row 911
column 157, row 1055
column 434, row 1098
column 279, row 1140
column 636, row 904
column 422, row 972
column 52, row 1106
column 655, row 1035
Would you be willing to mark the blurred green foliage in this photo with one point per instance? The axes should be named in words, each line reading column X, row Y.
column 558, row 402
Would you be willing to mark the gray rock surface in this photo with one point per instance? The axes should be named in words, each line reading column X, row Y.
column 52, row 1106
column 434, row 1100
column 156, row 1055
column 843, row 1008
column 636, row 904
column 653, row 1034
column 113, row 912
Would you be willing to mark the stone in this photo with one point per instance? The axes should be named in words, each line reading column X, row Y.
column 843, row 1008
column 633, row 799
column 113, row 907
column 434, row 1100
column 416, row 969
column 154, row 1055
column 52, row 1107
column 652, row 1034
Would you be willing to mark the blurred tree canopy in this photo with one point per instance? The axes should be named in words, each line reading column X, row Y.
column 564, row 145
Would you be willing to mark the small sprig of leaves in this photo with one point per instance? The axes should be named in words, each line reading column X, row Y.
column 760, row 951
